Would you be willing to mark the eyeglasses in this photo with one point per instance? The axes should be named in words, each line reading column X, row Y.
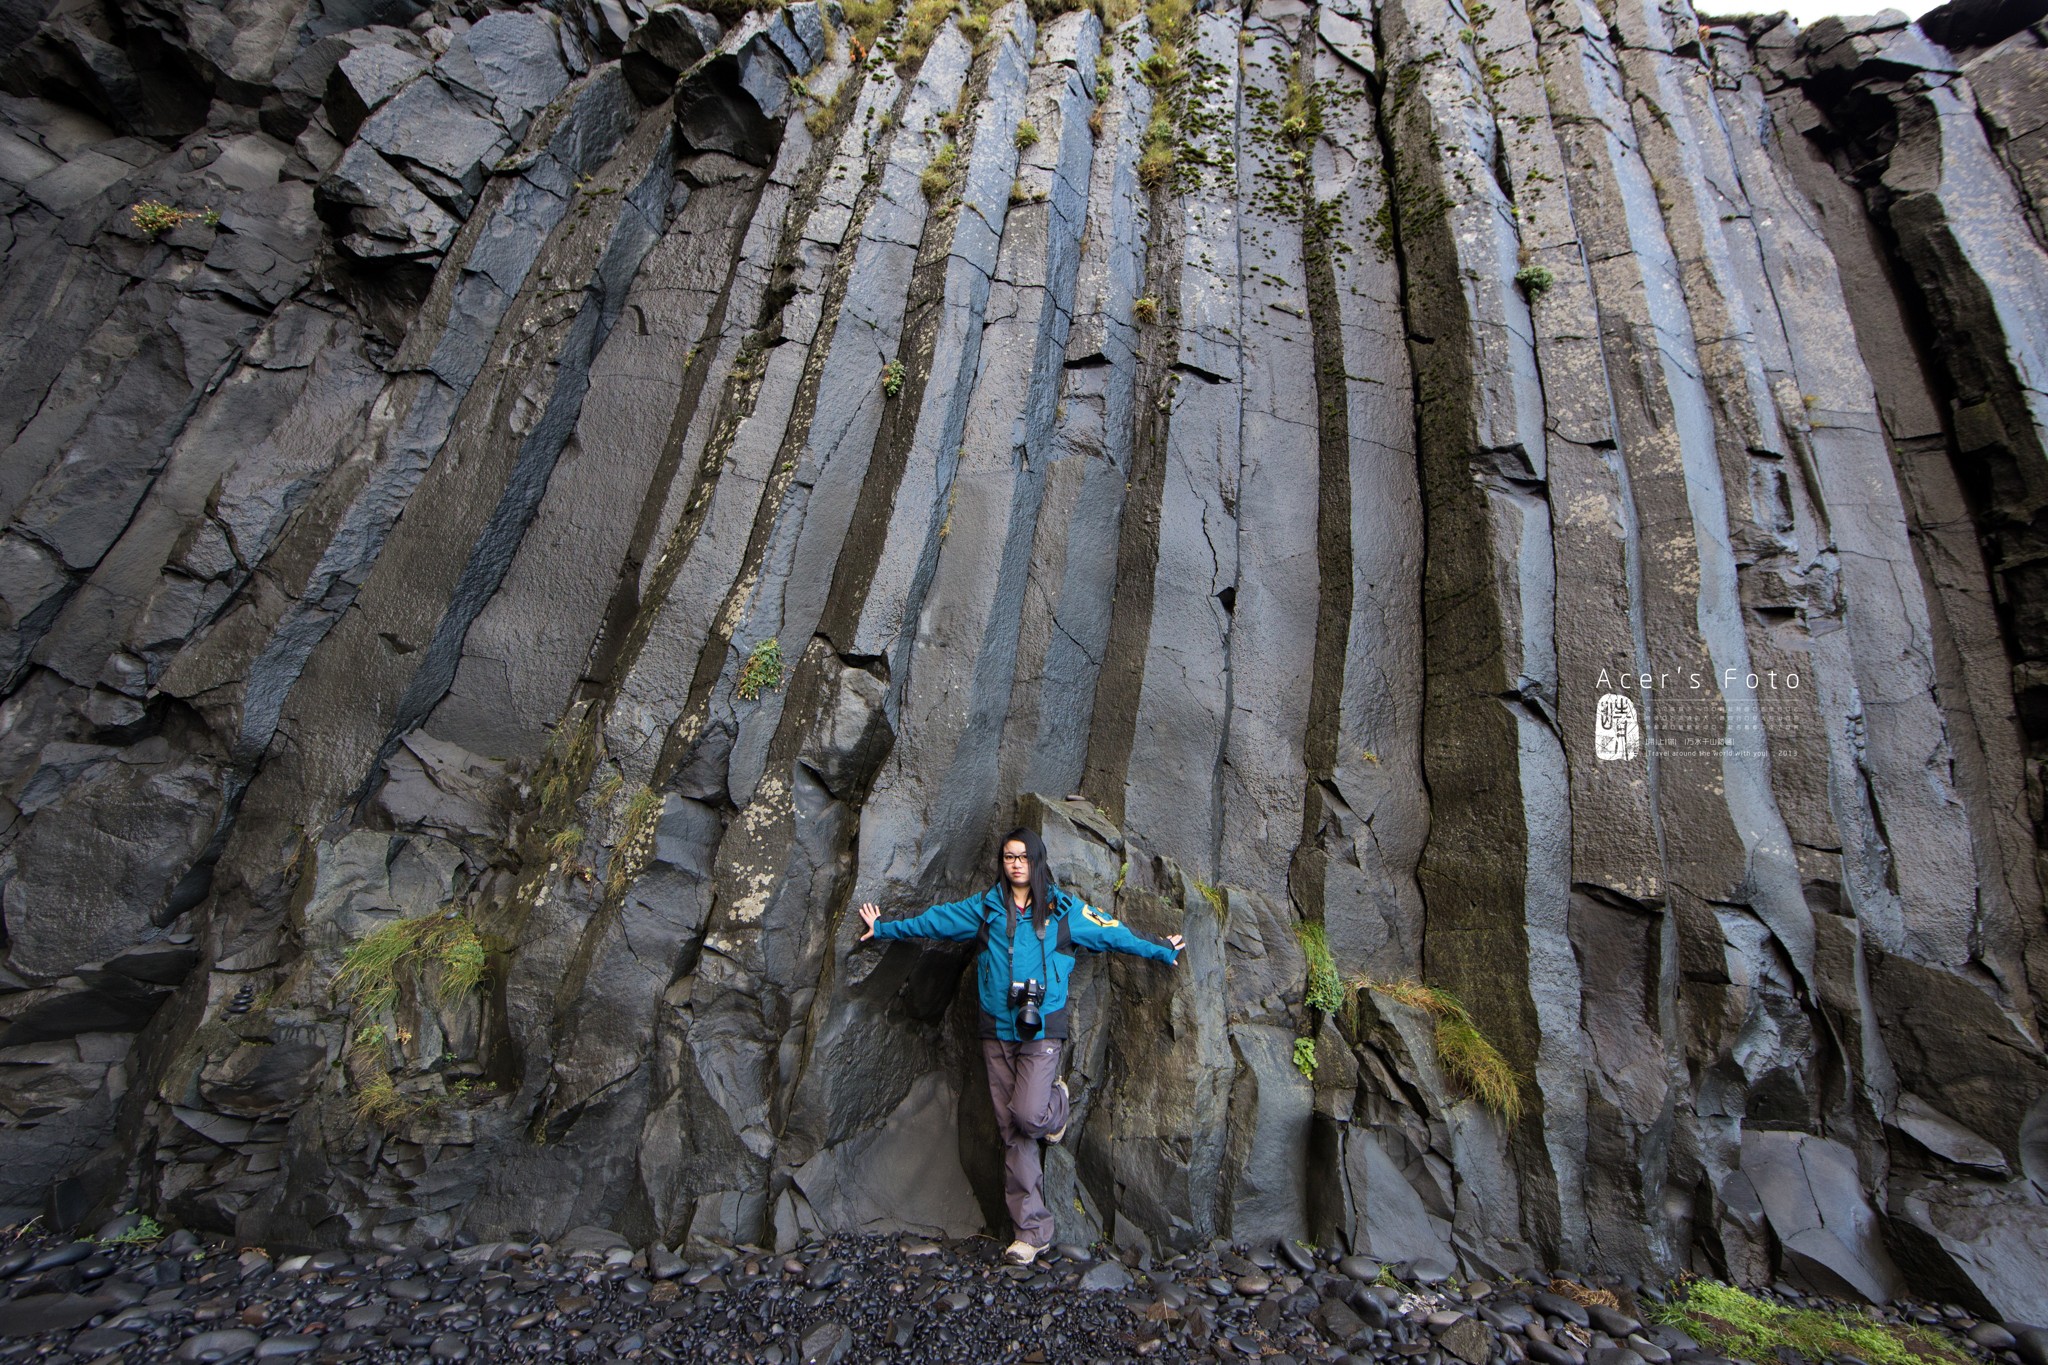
column 1016, row 857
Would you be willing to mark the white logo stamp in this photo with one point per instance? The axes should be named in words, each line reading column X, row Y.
column 1615, row 734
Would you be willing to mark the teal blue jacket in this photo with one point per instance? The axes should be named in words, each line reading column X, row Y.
column 1005, row 957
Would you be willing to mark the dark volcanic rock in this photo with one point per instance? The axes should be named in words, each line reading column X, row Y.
column 515, row 518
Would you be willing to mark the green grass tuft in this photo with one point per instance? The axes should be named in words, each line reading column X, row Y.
column 1741, row 1326
column 1325, row 987
column 1462, row 1048
column 920, row 26
column 447, row 943
column 369, row 970
column 1027, row 134
column 938, row 175
column 378, row 1101
column 867, row 18
column 1535, row 280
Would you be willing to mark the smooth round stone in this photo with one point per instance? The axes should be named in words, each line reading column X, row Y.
column 2031, row 1343
column 95, row 1340
column 58, row 1257
column 1361, row 1268
column 1647, row 1349
column 1110, row 1277
column 1612, row 1321
column 1295, row 1255
column 1612, row 1355
column 448, row 1346
column 1557, row 1306
column 1427, row 1271
column 1543, row 1353
column 95, row 1268
column 1992, row 1337
column 229, row 1343
column 286, row 1347
column 826, row 1344
column 1251, row 1286
column 825, row 1274
column 14, row 1262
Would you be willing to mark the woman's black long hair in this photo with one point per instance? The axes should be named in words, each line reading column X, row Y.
column 1041, row 880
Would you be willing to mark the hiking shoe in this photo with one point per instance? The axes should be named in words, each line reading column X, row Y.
column 1021, row 1252
column 1056, row 1134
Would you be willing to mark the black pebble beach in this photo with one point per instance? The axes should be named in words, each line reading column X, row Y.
column 844, row 1299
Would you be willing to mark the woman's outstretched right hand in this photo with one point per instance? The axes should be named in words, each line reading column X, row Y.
column 869, row 912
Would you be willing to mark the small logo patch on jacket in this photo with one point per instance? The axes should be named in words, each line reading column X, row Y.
column 1095, row 916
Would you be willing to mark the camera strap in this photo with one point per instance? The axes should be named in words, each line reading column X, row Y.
column 1010, row 937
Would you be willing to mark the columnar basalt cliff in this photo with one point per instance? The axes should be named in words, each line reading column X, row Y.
column 517, row 519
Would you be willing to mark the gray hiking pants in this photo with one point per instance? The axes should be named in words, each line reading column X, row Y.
column 1020, row 1077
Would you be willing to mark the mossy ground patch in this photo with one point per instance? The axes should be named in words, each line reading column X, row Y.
column 1741, row 1326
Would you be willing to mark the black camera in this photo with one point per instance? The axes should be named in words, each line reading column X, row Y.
column 1024, row 998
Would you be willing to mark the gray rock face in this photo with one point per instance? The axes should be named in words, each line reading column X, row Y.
column 553, row 508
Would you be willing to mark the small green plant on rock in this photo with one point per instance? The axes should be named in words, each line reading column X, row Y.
column 1027, row 134
column 762, row 672
column 367, row 1047
column 1325, row 991
column 636, row 841
column 1145, row 310
column 1305, row 1057
column 1535, row 280
column 153, row 217
column 146, row 1232
column 892, row 379
column 1741, row 1326
column 1160, row 154
column 1464, row 1051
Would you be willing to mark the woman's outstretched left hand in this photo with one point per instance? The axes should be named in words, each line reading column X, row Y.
column 1176, row 942
column 869, row 913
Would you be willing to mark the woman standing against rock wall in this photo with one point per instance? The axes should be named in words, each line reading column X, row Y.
column 1028, row 930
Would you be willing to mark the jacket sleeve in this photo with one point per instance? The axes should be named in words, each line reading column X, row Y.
column 1101, row 932
column 953, row 920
